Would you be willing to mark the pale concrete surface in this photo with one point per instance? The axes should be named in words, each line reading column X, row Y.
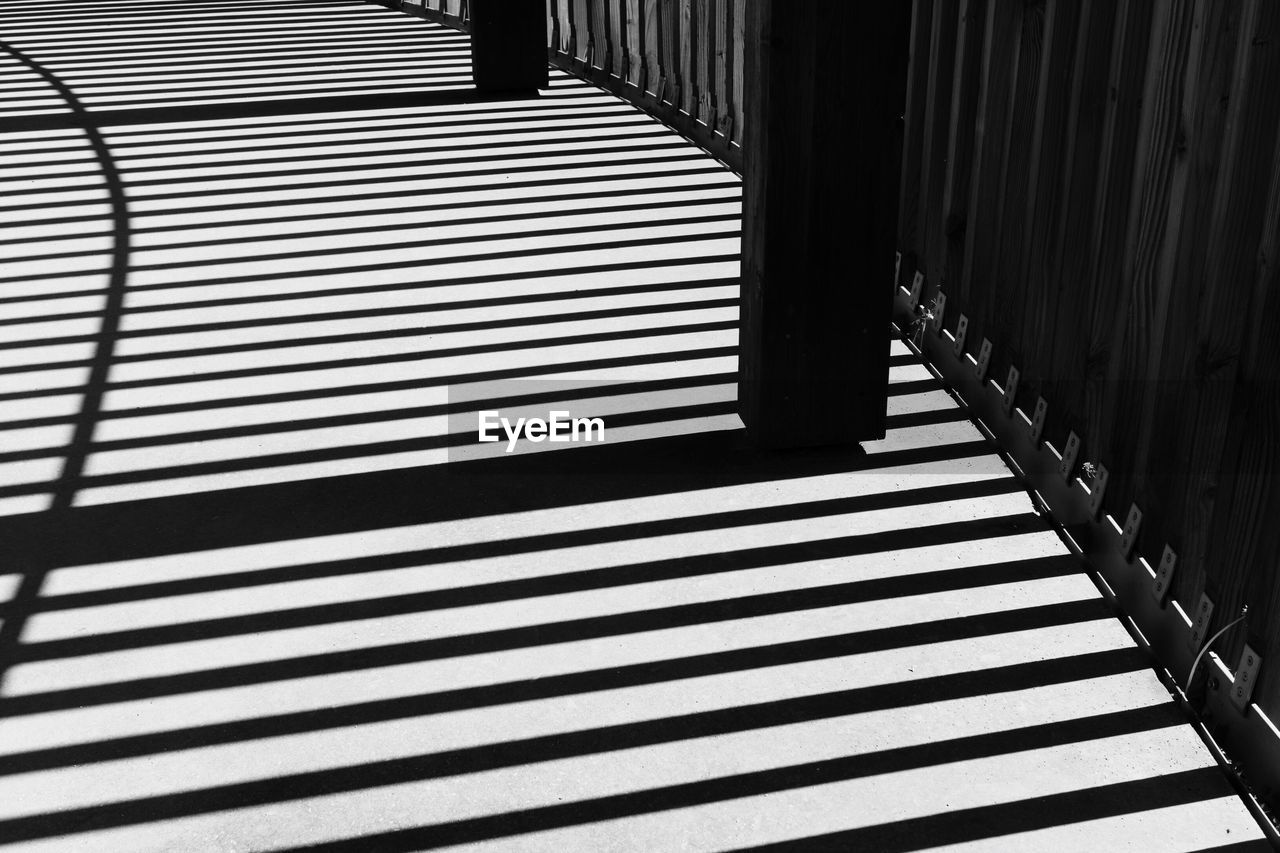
column 256, row 598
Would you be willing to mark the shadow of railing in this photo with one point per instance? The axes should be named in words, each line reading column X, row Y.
column 254, row 560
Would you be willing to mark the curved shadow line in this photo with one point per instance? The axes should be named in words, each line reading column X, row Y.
column 95, row 385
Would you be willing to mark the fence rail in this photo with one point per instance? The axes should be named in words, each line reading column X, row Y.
column 680, row 60
column 1095, row 185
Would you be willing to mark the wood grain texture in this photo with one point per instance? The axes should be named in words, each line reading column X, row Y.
column 931, row 216
column 1110, row 190
column 632, row 46
column 652, row 42
column 1000, row 46
column 1034, row 275
column 970, row 32
column 1002, row 307
column 1234, row 435
column 915, row 130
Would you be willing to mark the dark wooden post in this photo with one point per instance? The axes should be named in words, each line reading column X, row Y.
column 826, row 84
column 509, row 44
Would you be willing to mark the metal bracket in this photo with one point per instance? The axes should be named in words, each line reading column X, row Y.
column 1038, row 419
column 939, row 308
column 1098, row 490
column 917, row 288
column 1245, row 678
column 1129, row 537
column 1200, row 625
column 1164, row 575
column 1069, row 454
column 1010, row 391
column 962, row 329
column 984, row 361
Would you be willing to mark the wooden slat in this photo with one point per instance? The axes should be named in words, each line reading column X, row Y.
column 635, row 43
column 967, row 74
column 1002, row 308
column 931, row 227
column 723, row 55
column 688, row 47
column 1229, row 298
column 914, row 131
column 1079, row 403
column 1057, row 371
column 1094, row 184
column 1174, row 182
column 739, row 31
column 705, row 59
column 1045, row 187
column 652, row 43
column 672, row 79
column 1000, row 46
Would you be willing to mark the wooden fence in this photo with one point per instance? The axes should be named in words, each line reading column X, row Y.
column 680, row 60
column 455, row 13
column 1095, row 185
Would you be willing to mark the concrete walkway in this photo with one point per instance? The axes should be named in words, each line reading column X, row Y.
column 261, row 589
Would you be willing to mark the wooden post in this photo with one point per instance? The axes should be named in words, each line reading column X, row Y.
column 826, row 84
column 509, row 45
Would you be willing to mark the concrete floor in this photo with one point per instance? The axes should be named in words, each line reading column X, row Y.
column 261, row 590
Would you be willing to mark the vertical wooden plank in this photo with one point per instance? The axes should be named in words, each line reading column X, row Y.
column 999, row 60
column 1256, row 431
column 931, row 225
column 581, row 28
column 1215, row 383
column 688, row 46
column 705, row 59
column 739, row 69
column 1002, row 309
column 1164, row 259
column 635, row 43
column 1079, row 400
column 721, row 17
column 822, row 155
column 1101, row 48
column 965, row 91
column 913, row 133
column 1034, row 277
column 601, row 40
column 653, row 70
column 672, row 80
column 1050, row 147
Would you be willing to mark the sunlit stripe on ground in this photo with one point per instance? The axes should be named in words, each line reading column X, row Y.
column 1193, row 827
column 147, row 333
column 182, row 44
column 435, row 576
column 281, row 645
column 793, row 812
column 768, row 746
column 516, row 526
column 287, row 692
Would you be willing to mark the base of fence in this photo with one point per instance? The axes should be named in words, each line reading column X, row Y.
column 420, row 9
column 699, row 133
column 1246, row 743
